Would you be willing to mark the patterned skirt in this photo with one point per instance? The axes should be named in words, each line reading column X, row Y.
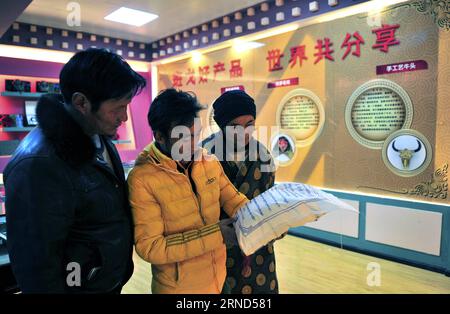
column 255, row 274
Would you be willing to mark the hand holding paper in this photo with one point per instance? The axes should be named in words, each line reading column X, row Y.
column 287, row 205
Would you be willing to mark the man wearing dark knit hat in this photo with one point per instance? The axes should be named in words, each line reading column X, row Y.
column 244, row 161
column 233, row 104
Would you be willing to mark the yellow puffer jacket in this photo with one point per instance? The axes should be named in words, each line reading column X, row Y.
column 176, row 229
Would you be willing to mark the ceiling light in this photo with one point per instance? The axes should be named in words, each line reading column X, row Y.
column 196, row 56
column 240, row 45
column 131, row 17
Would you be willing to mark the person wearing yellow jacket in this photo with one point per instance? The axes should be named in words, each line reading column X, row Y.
column 176, row 203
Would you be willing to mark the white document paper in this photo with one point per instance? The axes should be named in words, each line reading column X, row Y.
column 286, row 205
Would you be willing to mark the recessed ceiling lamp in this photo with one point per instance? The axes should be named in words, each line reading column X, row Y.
column 131, row 17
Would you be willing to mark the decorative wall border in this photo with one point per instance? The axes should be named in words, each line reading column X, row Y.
column 439, row 11
column 35, row 36
column 256, row 18
column 259, row 17
column 436, row 187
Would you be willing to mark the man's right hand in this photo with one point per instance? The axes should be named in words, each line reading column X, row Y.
column 228, row 232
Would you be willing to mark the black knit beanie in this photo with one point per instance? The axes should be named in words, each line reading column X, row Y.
column 233, row 104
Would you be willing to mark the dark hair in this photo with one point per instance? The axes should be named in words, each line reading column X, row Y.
column 100, row 75
column 171, row 108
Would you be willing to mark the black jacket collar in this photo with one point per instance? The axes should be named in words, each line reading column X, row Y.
column 68, row 138
column 70, row 142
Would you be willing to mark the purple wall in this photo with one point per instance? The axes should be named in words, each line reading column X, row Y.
column 142, row 133
column 138, row 108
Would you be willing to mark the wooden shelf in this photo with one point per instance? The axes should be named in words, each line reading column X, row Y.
column 16, row 129
column 22, row 94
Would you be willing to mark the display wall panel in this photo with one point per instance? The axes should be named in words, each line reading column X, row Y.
column 368, row 77
column 340, row 222
column 412, row 229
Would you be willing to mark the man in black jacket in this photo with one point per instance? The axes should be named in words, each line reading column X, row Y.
column 68, row 219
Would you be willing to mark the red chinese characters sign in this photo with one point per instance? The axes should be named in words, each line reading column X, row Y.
column 283, row 83
column 402, row 67
column 202, row 74
column 323, row 50
column 231, row 88
column 385, row 37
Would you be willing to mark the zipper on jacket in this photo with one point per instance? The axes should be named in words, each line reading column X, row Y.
column 213, row 255
column 197, row 200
